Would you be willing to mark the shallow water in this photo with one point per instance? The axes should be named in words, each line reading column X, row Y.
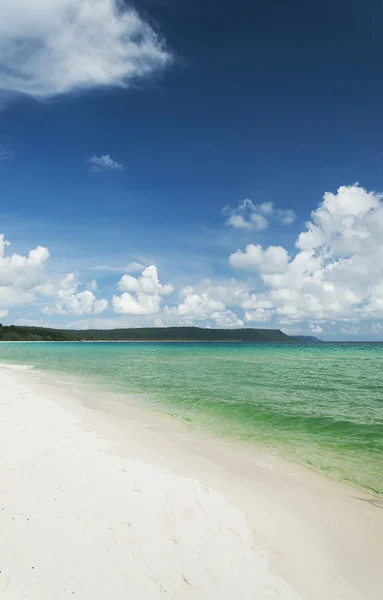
column 319, row 404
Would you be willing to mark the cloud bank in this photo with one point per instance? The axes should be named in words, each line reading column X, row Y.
column 331, row 281
column 53, row 47
column 24, row 280
column 20, row 276
column 337, row 270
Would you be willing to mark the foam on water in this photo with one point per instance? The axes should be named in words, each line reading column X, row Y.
column 16, row 367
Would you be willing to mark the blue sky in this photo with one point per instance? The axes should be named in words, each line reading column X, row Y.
column 126, row 130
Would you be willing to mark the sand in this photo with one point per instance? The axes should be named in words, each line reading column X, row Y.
column 102, row 501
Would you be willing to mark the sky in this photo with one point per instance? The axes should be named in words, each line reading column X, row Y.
column 189, row 162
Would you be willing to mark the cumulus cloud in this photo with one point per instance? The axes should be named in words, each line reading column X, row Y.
column 25, row 280
column 134, row 267
column 334, row 275
column 141, row 295
column 228, row 291
column 256, row 216
column 258, row 316
column 226, row 319
column 52, row 47
column 20, row 275
column 258, row 308
column 197, row 305
column 21, row 272
column 70, row 301
column 272, row 260
column 337, row 270
column 104, row 163
column 206, row 305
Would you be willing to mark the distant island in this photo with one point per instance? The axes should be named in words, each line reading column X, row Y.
column 309, row 338
column 17, row 333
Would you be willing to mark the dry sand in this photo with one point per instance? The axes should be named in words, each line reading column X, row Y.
column 98, row 501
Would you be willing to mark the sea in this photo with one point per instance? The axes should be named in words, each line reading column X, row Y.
column 320, row 405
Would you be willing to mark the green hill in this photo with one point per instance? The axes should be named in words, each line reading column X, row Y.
column 144, row 334
column 312, row 339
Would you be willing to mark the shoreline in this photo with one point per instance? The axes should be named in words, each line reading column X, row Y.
column 85, row 341
column 294, row 342
column 135, row 401
column 294, row 529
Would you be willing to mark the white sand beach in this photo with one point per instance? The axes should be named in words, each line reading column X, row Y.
column 98, row 501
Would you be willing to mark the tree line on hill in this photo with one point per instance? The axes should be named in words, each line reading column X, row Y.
column 18, row 333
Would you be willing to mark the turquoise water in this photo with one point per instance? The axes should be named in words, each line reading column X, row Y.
column 321, row 405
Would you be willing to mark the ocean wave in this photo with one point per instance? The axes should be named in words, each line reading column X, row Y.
column 15, row 367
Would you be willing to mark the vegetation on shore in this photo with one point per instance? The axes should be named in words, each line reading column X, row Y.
column 145, row 334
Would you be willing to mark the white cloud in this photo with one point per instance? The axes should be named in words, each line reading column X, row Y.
column 286, row 217
column 21, row 272
column 206, row 302
column 258, row 316
column 195, row 305
column 352, row 330
column 92, row 286
column 24, row 280
column 272, row 260
column 134, row 267
column 226, row 319
column 258, row 308
column 5, row 153
column 142, row 295
column 20, row 275
column 337, row 271
column 256, row 216
column 256, row 221
column 104, row 163
column 68, row 300
column 228, row 291
column 266, row 208
column 257, row 301
column 52, row 47
column 334, row 275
